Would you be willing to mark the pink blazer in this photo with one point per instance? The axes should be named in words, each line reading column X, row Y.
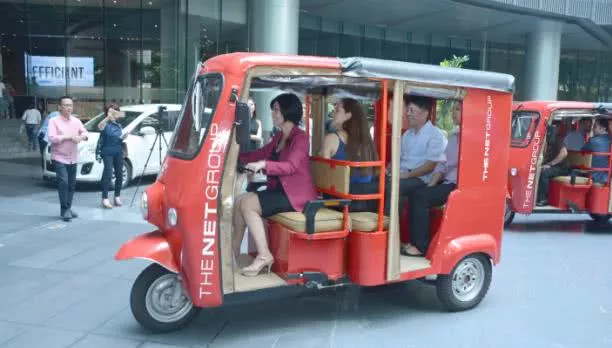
column 292, row 167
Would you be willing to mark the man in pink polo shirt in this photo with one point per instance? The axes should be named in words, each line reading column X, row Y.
column 65, row 132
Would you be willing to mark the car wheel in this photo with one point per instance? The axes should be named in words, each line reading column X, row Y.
column 158, row 301
column 466, row 285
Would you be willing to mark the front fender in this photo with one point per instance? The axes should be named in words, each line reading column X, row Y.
column 458, row 248
column 152, row 246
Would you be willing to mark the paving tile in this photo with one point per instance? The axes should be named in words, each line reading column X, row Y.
column 43, row 337
column 49, row 302
column 46, row 258
column 92, row 311
column 97, row 341
column 9, row 330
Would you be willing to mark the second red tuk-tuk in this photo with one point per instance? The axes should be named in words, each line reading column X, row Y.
column 327, row 245
column 536, row 126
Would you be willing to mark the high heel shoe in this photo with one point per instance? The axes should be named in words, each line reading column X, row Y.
column 258, row 264
column 106, row 204
column 118, row 202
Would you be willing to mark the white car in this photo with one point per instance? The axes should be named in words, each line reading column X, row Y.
column 140, row 123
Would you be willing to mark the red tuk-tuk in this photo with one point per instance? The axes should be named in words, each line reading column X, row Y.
column 536, row 125
column 328, row 245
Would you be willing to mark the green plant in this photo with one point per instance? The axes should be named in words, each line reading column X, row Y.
column 444, row 119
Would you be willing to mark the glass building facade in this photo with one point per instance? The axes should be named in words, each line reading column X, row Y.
column 144, row 51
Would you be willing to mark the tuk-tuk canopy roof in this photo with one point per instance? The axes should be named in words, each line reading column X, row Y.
column 566, row 108
column 355, row 76
column 456, row 77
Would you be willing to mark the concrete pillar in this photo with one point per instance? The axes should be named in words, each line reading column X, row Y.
column 168, row 70
column 542, row 58
column 274, row 28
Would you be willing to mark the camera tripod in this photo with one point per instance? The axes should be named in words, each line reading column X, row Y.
column 159, row 136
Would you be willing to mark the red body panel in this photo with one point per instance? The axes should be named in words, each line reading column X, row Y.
column 597, row 200
column 153, row 246
column 295, row 252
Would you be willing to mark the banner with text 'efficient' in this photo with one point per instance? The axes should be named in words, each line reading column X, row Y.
column 59, row 71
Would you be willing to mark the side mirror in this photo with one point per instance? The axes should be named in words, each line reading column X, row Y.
column 243, row 126
column 147, row 130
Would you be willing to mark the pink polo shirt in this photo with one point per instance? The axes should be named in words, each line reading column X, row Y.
column 64, row 151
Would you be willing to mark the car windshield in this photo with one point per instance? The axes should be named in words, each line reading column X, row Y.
column 523, row 126
column 92, row 126
column 203, row 97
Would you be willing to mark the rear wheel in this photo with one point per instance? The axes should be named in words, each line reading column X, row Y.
column 466, row 285
column 601, row 217
column 508, row 214
column 159, row 302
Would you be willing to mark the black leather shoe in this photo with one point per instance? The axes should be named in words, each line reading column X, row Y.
column 73, row 214
column 66, row 216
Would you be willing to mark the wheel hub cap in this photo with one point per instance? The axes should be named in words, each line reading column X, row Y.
column 468, row 279
column 166, row 301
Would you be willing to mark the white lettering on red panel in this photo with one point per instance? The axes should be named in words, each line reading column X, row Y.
column 209, row 230
column 487, row 144
column 533, row 162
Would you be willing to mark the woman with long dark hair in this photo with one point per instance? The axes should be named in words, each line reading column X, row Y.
column 351, row 141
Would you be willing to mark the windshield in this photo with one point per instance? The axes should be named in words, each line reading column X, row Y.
column 524, row 124
column 200, row 106
column 92, row 126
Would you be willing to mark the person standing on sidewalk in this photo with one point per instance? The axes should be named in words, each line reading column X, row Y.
column 43, row 136
column 65, row 132
column 109, row 150
column 31, row 117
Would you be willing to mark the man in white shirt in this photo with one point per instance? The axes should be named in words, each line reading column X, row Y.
column 422, row 148
column 31, row 117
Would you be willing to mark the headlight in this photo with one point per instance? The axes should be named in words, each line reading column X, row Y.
column 144, row 205
column 172, row 217
column 513, row 171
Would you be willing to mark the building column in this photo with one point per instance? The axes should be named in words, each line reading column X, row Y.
column 273, row 28
column 542, row 59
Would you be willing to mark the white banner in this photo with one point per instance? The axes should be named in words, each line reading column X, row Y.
column 59, row 71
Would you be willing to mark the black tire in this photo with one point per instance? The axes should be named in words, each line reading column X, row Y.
column 444, row 284
column 149, row 277
column 508, row 214
column 600, row 218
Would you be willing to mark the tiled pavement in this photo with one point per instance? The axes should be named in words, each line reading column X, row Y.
column 60, row 287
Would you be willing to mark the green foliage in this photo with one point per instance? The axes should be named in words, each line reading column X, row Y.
column 444, row 119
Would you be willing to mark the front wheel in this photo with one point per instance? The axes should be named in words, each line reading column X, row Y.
column 466, row 285
column 159, row 302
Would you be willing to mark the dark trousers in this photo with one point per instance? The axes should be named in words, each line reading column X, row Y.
column 420, row 205
column 65, row 175
column 42, row 146
column 31, row 132
column 407, row 187
column 112, row 163
column 545, row 176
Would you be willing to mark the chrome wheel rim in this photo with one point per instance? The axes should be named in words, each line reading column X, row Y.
column 468, row 279
column 166, row 301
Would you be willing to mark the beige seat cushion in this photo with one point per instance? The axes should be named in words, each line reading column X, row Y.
column 367, row 221
column 326, row 220
column 580, row 180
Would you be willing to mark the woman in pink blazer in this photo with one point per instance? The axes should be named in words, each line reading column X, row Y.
column 285, row 161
